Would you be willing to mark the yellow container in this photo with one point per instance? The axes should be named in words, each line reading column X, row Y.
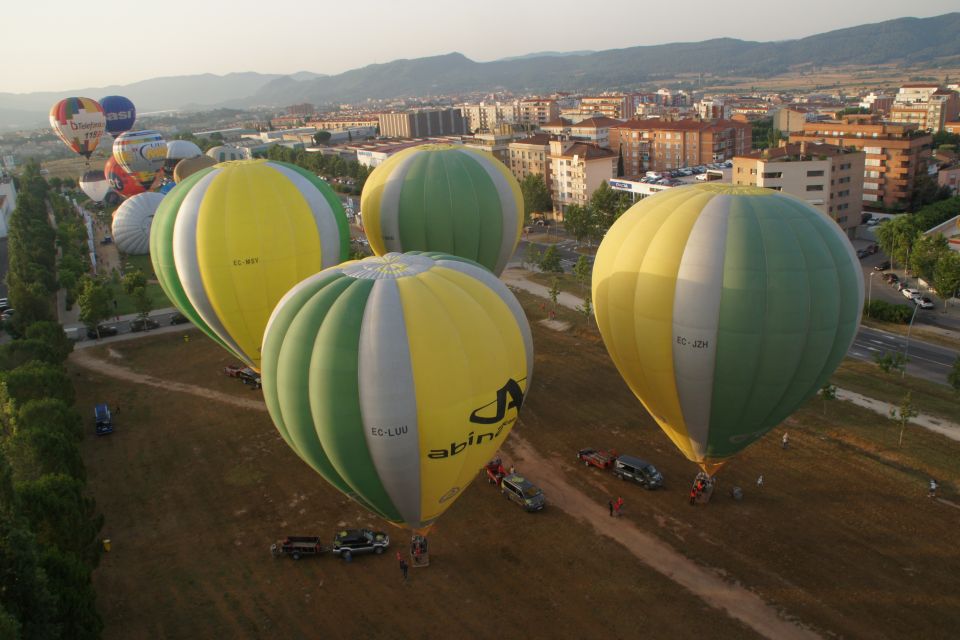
column 106, row 544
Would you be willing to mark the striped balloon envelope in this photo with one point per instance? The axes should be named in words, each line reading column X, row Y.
column 79, row 122
column 446, row 198
column 397, row 377
column 189, row 166
column 132, row 221
column 141, row 154
column 724, row 308
column 229, row 241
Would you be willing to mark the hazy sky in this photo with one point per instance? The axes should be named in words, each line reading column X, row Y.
column 57, row 45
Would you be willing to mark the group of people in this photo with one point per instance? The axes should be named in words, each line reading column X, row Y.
column 616, row 507
column 701, row 484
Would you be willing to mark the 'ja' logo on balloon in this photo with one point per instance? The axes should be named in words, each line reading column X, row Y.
column 512, row 389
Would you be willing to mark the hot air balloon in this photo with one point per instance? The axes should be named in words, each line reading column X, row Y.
column 444, row 198
column 141, row 154
column 131, row 223
column 225, row 153
column 724, row 308
column 120, row 114
column 188, row 167
column 95, row 185
column 79, row 122
column 121, row 181
column 229, row 241
column 397, row 377
column 178, row 150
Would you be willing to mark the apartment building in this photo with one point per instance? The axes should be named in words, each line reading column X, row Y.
column 530, row 156
column 896, row 153
column 876, row 102
column 654, row 145
column 715, row 108
column 928, row 106
column 497, row 144
column 576, row 170
column 826, row 176
column 487, row 116
column 338, row 123
column 616, row 106
column 788, row 119
column 422, row 123
column 537, row 111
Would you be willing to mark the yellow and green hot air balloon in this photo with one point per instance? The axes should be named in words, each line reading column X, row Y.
column 397, row 377
column 229, row 241
column 724, row 308
column 446, row 198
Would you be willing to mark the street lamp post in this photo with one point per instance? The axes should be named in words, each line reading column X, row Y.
column 906, row 346
column 870, row 292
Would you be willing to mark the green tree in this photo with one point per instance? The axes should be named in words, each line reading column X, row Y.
column 35, row 380
column 25, row 594
column 51, row 333
column 95, row 302
column 889, row 362
column 536, row 196
column 321, row 137
column 75, row 600
column 903, row 413
column 60, row 514
column 554, row 292
column 925, row 254
column 580, row 221
column 828, row 392
column 550, row 260
column 582, row 270
column 534, row 255
column 18, row 352
column 133, row 280
column 954, row 376
column 896, row 238
column 50, row 414
column 946, row 276
column 608, row 204
column 620, row 167
column 586, row 309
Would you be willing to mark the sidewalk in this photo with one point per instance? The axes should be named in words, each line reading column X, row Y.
column 517, row 278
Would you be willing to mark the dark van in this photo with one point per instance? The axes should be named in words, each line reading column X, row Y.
column 103, row 420
column 640, row 471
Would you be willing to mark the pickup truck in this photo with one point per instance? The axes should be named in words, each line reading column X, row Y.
column 297, row 546
column 600, row 458
column 348, row 542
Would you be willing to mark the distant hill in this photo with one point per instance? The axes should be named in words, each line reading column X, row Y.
column 908, row 40
column 546, row 54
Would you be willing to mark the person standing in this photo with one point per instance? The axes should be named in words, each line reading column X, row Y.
column 760, row 481
column 403, row 569
column 785, row 440
column 618, row 506
column 933, row 489
column 610, row 504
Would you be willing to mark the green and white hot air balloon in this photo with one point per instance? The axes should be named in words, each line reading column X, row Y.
column 725, row 308
column 446, row 198
column 397, row 377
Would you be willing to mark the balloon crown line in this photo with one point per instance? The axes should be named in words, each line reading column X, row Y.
column 388, row 266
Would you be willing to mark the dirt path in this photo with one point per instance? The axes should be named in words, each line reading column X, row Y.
column 87, row 360
column 737, row 601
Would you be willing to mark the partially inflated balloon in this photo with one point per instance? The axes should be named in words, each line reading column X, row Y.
column 95, row 185
column 397, row 377
column 724, row 308
column 141, row 154
column 131, row 223
column 121, row 181
column 79, row 122
column 226, row 153
column 120, row 114
column 445, row 198
column 188, row 167
column 230, row 240
column 178, row 150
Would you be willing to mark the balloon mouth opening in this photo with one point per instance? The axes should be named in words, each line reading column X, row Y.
column 711, row 467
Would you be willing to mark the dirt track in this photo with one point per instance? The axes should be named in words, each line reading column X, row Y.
column 735, row 600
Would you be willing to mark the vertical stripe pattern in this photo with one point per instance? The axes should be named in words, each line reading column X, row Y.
column 444, row 198
column 724, row 308
column 397, row 377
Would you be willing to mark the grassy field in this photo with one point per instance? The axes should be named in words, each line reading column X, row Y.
column 841, row 537
column 158, row 299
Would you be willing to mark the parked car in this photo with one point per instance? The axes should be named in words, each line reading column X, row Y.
column 520, row 490
column 909, row 293
column 638, row 470
column 349, row 542
column 103, row 421
column 179, row 318
column 143, row 324
column 7, row 314
column 883, row 266
column 873, row 248
column 863, row 253
column 105, row 332
column 4, row 304
column 891, row 278
column 902, row 284
column 923, row 302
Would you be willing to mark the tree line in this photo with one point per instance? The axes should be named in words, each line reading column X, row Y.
column 49, row 525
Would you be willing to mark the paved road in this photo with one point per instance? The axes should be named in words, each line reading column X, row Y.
column 924, row 360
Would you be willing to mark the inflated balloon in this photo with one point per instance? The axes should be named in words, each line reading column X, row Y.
column 131, row 223
column 397, row 377
column 120, row 114
column 190, row 166
column 178, row 150
column 141, row 154
column 79, row 122
column 724, row 308
column 121, row 181
column 226, row 153
column 445, row 198
column 230, row 240
column 95, row 185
